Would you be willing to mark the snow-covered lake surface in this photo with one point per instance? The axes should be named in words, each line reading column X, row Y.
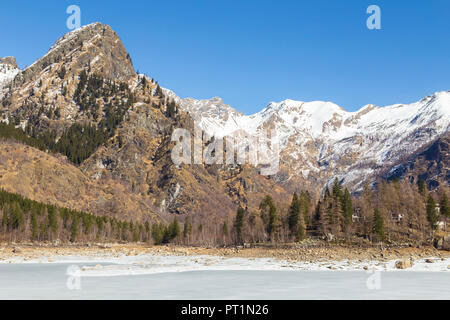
column 206, row 277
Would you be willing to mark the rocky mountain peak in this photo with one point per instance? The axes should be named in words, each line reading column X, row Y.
column 8, row 71
column 95, row 47
column 11, row 61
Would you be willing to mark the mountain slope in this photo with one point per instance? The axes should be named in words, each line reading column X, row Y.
column 320, row 140
column 431, row 165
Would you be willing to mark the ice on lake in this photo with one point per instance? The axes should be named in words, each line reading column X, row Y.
column 113, row 280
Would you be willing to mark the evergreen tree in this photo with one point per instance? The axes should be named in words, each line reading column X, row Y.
column 187, row 230
column 337, row 190
column 74, row 228
column 301, row 233
column 52, row 221
column 175, row 229
column 305, row 205
column 269, row 215
column 432, row 214
column 4, row 221
column 378, row 224
column 239, row 224
column 444, row 205
column 423, row 190
column 171, row 109
column 34, row 226
column 347, row 207
column 157, row 234
column 294, row 215
column 319, row 218
column 225, row 229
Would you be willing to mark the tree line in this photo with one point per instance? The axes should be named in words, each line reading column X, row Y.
column 394, row 211
column 22, row 219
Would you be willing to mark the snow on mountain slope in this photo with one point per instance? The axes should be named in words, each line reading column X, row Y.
column 8, row 71
column 321, row 140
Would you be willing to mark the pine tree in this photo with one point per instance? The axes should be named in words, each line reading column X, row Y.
column 34, row 226
column 171, row 109
column 294, row 215
column 444, row 205
column 5, row 221
column 175, row 229
column 239, row 224
column 432, row 215
column 301, row 233
column 157, row 234
column 378, row 224
column 52, row 221
column 347, row 207
column 337, row 190
column 423, row 190
column 269, row 215
column 225, row 229
column 74, row 228
column 319, row 218
column 305, row 204
column 187, row 230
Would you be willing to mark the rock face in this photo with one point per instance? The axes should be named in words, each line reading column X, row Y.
column 432, row 164
column 9, row 61
column 443, row 243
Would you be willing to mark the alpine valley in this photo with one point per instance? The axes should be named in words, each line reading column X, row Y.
column 82, row 130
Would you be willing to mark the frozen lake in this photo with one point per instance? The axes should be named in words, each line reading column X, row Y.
column 49, row 281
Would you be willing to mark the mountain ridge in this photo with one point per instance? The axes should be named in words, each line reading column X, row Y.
column 86, row 82
column 331, row 125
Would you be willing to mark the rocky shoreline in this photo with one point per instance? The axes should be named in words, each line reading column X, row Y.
column 29, row 252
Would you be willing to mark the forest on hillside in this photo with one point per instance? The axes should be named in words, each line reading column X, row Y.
column 394, row 212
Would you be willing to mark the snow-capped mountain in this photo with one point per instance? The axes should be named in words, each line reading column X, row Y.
column 321, row 141
column 131, row 172
column 8, row 71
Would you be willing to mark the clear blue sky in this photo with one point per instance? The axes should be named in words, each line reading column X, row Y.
column 251, row 52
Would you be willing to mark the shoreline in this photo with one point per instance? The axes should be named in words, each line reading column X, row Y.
column 128, row 259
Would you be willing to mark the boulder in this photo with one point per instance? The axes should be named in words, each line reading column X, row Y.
column 16, row 250
column 404, row 264
column 442, row 243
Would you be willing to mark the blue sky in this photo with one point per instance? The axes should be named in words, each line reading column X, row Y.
column 251, row 52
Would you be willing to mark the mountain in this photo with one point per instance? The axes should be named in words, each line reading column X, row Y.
column 8, row 71
column 431, row 164
column 83, row 100
column 321, row 141
column 98, row 138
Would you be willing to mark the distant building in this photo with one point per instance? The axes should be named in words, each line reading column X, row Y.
column 442, row 224
column 357, row 215
column 397, row 217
